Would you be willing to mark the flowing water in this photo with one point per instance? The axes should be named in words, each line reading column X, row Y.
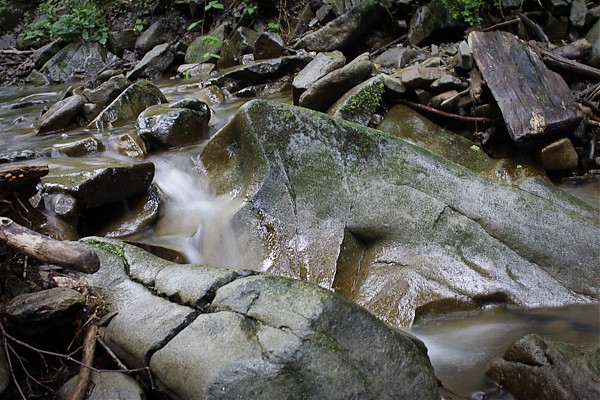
column 194, row 221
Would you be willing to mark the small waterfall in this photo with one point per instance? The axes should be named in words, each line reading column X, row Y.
column 192, row 219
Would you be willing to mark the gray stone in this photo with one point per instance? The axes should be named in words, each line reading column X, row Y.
column 325, row 14
column 260, row 71
column 119, row 41
column 241, row 42
column 398, row 57
column 45, row 311
column 130, row 144
column 156, row 34
column 128, row 105
column 465, row 55
column 79, row 148
column 166, row 125
column 536, row 368
column 154, row 63
column 46, row 52
column 431, row 23
column 321, row 65
column 98, row 182
column 142, row 211
column 268, row 45
column 578, row 13
column 65, row 206
column 261, row 337
column 434, row 233
column 445, row 101
column 324, row 92
column 446, row 83
column 302, row 21
column 411, row 126
column 593, row 36
column 106, row 385
column 393, row 85
column 36, row 78
column 144, row 324
column 200, row 49
column 273, row 338
column 345, row 30
column 90, row 111
column 360, row 103
column 420, row 77
column 558, row 7
column 60, row 116
column 210, row 95
column 108, row 91
column 560, row 155
column 194, row 285
column 79, row 61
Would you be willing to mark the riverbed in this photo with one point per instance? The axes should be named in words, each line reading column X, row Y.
column 195, row 222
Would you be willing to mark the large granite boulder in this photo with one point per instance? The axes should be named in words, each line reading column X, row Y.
column 394, row 227
column 78, row 61
column 535, row 368
column 217, row 333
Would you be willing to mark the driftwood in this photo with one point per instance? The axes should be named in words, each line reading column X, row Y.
column 15, row 176
column 576, row 50
column 535, row 28
column 89, row 349
column 564, row 65
column 46, row 249
column 536, row 103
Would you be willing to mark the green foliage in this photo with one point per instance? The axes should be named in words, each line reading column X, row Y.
column 273, row 27
column 211, row 41
column 139, row 25
column 194, row 24
column 3, row 6
column 214, row 4
column 467, row 10
column 67, row 20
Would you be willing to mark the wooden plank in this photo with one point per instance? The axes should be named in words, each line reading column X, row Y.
column 13, row 177
column 536, row 103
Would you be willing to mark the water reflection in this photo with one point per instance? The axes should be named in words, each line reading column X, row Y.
column 461, row 347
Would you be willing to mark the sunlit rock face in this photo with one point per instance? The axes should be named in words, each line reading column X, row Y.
column 394, row 227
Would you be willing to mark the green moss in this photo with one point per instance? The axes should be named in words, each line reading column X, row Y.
column 111, row 248
column 363, row 104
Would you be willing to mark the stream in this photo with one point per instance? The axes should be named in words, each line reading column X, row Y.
column 196, row 222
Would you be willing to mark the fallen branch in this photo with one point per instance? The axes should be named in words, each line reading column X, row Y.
column 565, row 65
column 441, row 113
column 500, row 25
column 17, row 52
column 539, row 32
column 46, row 249
column 89, row 348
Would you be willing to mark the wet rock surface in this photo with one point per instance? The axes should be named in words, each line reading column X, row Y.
column 263, row 336
column 537, row 368
column 307, row 191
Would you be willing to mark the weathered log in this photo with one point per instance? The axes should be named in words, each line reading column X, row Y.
column 535, row 28
column 15, row 176
column 576, row 50
column 536, row 103
column 564, row 65
column 46, row 249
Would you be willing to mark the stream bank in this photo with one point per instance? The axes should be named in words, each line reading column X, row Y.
column 310, row 166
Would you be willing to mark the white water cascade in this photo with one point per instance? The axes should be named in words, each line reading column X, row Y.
column 191, row 218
